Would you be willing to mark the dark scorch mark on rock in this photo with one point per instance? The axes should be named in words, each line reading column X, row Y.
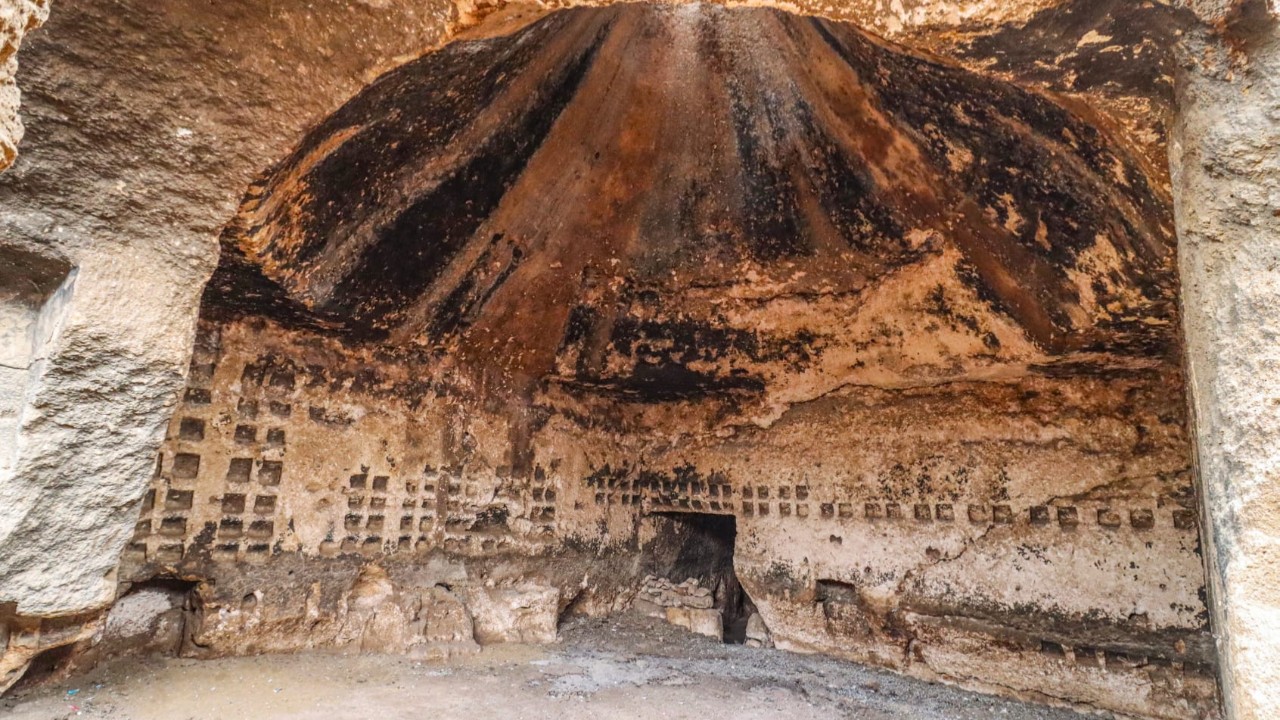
column 458, row 203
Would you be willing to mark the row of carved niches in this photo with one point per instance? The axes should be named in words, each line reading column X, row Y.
column 660, row 493
column 226, row 480
column 239, row 477
column 290, row 453
column 226, row 485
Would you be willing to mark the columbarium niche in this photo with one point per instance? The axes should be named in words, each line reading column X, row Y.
column 530, row 308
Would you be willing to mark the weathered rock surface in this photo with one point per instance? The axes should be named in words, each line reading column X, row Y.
column 523, row 613
column 17, row 18
column 758, row 632
column 145, row 123
column 703, row 621
column 917, row 337
column 885, row 170
column 148, row 615
column 1227, row 183
column 662, row 593
column 23, row 638
column 616, row 667
column 952, row 441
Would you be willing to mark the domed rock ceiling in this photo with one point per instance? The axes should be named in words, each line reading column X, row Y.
column 913, row 327
column 620, row 198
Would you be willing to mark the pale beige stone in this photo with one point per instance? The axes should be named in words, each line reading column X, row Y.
column 757, row 632
column 1227, row 184
column 698, row 620
column 17, row 18
column 525, row 613
column 1102, row 463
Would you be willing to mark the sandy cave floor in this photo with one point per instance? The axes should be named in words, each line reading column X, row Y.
column 621, row 667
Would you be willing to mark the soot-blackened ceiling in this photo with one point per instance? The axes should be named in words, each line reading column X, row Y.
column 583, row 196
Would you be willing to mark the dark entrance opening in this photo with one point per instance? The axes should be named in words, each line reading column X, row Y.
column 700, row 546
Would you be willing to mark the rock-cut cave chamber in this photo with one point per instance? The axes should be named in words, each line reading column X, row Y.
column 845, row 346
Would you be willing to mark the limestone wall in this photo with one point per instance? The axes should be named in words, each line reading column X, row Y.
column 988, row 452
column 980, row 528
column 292, row 470
column 17, row 18
column 145, row 123
column 979, row 533
column 1228, row 183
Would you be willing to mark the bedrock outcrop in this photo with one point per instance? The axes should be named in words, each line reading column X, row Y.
column 509, row 318
column 17, row 18
column 896, row 299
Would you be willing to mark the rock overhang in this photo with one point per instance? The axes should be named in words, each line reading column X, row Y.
column 606, row 197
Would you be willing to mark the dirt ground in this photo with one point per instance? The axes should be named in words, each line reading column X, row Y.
column 622, row 667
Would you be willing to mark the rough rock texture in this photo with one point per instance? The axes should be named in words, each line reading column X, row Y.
column 522, row 613
column 146, row 121
column 685, row 604
column 417, row 213
column 703, row 621
column 17, row 18
column 498, row 321
column 657, row 594
column 150, row 616
column 282, row 480
column 23, row 638
column 474, row 336
column 757, row 634
column 898, row 19
column 1227, row 181
column 34, row 287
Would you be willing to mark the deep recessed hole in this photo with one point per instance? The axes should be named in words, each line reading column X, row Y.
column 179, row 499
column 191, row 429
column 47, row 666
column 239, row 469
column 246, row 434
column 171, row 552
column 270, row 472
column 230, row 527
column 261, row 529
column 175, row 526
column 201, row 373
column 282, row 380
column 247, row 409
column 233, row 503
column 186, row 466
column 198, row 396
column 700, row 546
